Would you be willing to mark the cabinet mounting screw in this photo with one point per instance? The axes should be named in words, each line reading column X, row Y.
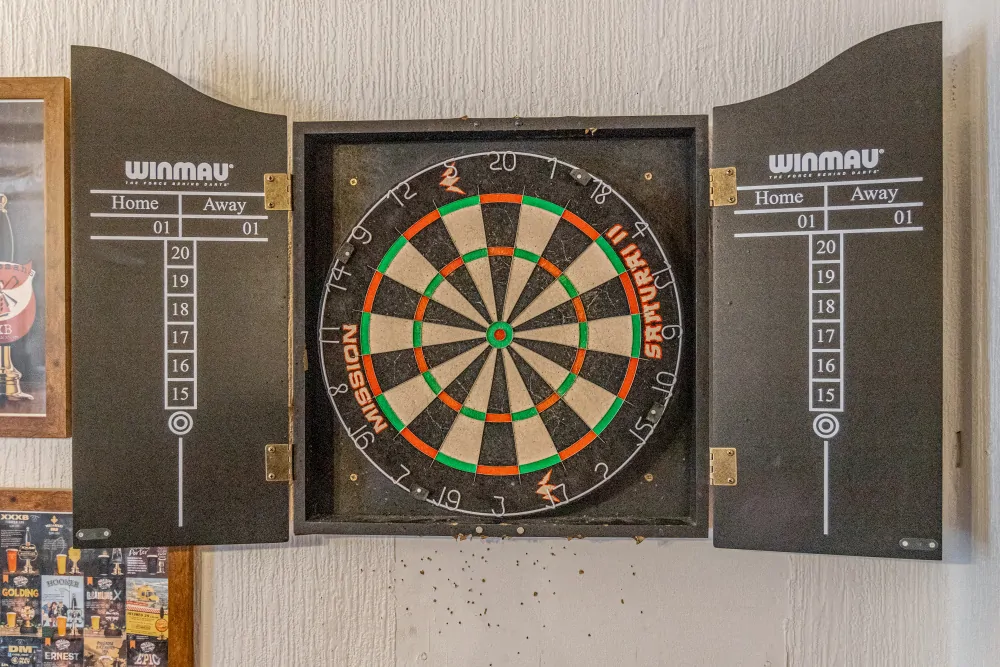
column 270, row 448
column 270, row 178
column 270, row 475
column 354, row 476
column 648, row 477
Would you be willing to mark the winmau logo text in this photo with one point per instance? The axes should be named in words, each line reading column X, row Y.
column 784, row 163
column 178, row 171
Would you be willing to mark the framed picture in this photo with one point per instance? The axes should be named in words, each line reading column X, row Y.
column 72, row 607
column 34, row 268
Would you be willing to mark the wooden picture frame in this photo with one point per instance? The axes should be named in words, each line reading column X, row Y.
column 180, row 568
column 35, row 398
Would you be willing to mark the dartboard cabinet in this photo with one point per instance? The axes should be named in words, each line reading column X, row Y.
column 513, row 327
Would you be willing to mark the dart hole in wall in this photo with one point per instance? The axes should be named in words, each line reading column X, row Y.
column 408, row 419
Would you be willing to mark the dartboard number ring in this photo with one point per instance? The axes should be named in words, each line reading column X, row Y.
column 500, row 355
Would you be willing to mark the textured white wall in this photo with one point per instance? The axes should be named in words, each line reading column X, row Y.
column 364, row 601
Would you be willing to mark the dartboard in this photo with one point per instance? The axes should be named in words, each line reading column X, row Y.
column 500, row 332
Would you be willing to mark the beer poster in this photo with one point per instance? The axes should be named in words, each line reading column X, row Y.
column 62, row 606
column 146, row 561
column 104, row 651
column 54, row 542
column 104, row 607
column 18, row 532
column 21, row 651
column 146, row 607
column 20, row 604
column 62, row 652
column 147, row 653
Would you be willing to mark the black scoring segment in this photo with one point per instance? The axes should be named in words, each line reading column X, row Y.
column 395, row 299
column 538, row 388
column 500, row 221
column 605, row 370
column 435, row 244
column 436, row 355
column 461, row 386
column 394, row 368
column 433, row 423
column 499, row 400
column 498, row 445
column 606, row 300
column 564, row 313
column 563, row 355
column 538, row 281
column 500, row 271
column 462, row 280
column 439, row 314
column 563, row 424
column 566, row 244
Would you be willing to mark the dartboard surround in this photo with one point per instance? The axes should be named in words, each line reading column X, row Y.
column 500, row 329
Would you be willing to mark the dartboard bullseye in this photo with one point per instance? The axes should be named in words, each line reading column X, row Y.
column 500, row 333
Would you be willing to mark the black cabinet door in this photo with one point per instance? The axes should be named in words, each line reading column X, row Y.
column 179, row 311
column 827, row 314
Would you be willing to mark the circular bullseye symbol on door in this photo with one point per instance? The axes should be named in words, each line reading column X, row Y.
column 826, row 425
column 180, row 423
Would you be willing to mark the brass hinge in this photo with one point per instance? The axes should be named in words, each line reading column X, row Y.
column 722, row 469
column 722, row 186
column 278, row 463
column 278, row 192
